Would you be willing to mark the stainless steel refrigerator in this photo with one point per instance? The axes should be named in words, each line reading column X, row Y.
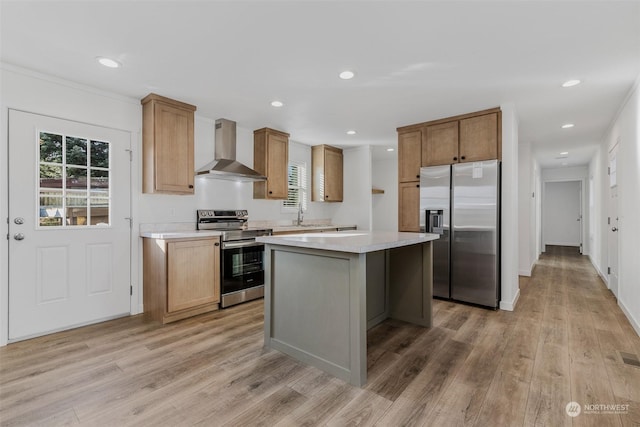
column 461, row 202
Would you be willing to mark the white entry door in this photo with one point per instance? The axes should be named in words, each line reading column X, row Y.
column 69, row 230
column 612, row 222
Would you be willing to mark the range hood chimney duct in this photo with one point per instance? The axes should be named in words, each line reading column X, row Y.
column 224, row 165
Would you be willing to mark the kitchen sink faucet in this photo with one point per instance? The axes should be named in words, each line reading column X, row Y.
column 300, row 213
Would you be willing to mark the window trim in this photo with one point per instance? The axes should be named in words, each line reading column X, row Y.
column 302, row 185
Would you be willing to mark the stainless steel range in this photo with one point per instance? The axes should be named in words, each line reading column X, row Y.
column 241, row 258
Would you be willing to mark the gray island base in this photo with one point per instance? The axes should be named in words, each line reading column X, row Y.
column 324, row 291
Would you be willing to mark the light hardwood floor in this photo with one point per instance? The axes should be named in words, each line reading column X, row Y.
column 474, row 367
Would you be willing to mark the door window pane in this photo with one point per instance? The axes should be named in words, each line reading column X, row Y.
column 99, row 154
column 50, row 176
column 50, row 147
column 74, row 181
column 51, row 209
column 76, row 178
column 99, row 211
column 100, row 180
column 76, row 151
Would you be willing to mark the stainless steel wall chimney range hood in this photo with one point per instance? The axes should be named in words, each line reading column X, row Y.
column 224, row 165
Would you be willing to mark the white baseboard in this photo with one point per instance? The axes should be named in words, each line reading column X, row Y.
column 528, row 273
column 510, row 306
column 577, row 245
column 634, row 323
column 603, row 276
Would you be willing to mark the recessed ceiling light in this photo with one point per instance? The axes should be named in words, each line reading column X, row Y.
column 568, row 125
column 276, row 104
column 108, row 62
column 351, row 132
column 570, row 83
column 391, row 149
column 346, row 75
column 564, row 153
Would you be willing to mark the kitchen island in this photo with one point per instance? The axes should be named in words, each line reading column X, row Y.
column 324, row 290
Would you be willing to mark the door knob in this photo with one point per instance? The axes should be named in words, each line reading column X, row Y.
column 19, row 221
column 614, row 229
column 18, row 236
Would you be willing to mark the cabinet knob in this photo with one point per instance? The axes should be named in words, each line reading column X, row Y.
column 190, row 185
column 418, row 185
column 462, row 158
column 216, row 244
column 455, row 158
column 270, row 192
column 326, row 197
column 417, row 176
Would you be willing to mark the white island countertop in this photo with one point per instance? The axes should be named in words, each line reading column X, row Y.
column 350, row 241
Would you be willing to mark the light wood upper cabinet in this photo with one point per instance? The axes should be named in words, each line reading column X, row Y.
column 469, row 137
column 479, row 138
column 271, row 158
column 409, row 206
column 327, row 174
column 167, row 145
column 181, row 277
column 409, row 156
column 440, row 144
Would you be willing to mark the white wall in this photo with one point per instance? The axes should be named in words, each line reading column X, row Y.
column 384, row 176
column 44, row 95
column 625, row 130
column 510, row 289
column 527, row 254
column 561, row 211
column 356, row 207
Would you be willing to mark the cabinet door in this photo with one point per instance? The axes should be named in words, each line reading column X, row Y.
column 333, row 173
column 409, row 156
column 409, row 206
column 277, row 158
column 479, row 138
column 193, row 273
column 440, row 144
column 174, row 169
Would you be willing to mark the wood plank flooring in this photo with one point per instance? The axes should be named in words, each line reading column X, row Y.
column 475, row 367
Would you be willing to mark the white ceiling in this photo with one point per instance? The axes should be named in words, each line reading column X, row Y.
column 414, row 61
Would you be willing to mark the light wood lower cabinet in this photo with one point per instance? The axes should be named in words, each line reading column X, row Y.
column 409, row 206
column 181, row 277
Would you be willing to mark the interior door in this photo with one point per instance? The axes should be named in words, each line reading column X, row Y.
column 69, row 228
column 562, row 214
column 612, row 223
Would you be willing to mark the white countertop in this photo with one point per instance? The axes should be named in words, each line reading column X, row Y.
column 181, row 234
column 350, row 241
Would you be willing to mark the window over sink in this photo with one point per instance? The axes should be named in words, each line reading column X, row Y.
column 298, row 187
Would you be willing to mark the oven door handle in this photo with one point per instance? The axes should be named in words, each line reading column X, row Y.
column 241, row 244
